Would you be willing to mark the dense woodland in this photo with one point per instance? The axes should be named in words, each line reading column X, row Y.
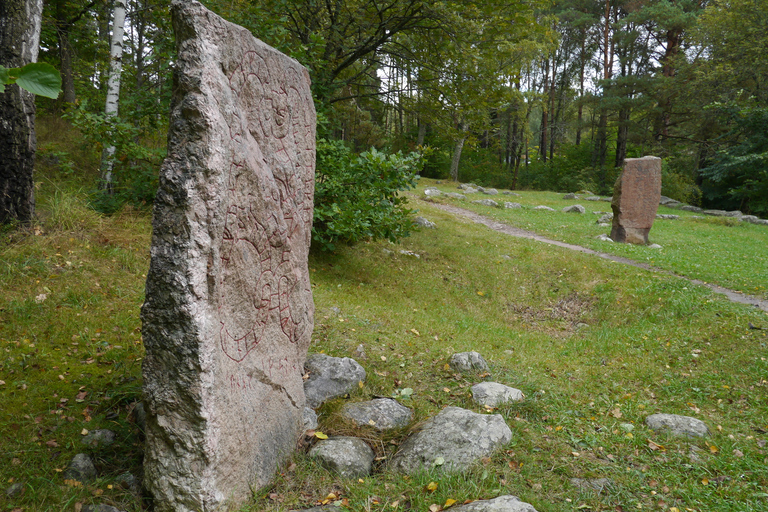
column 518, row 94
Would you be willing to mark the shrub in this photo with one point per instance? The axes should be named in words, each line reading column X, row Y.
column 356, row 197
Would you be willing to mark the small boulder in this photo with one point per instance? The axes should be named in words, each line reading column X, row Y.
column 310, row 419
column 677, row 425
column 689, row 208
column 667, row 216
column 81, row 469
column 455, row 195
column 574, row 208
column 494, row 394
column 129, row 481
column 330, row 377
column 432, row 192
column 592, row 198
column 543, row 208
column 424, row 223
column 15, row 490
column 604, row 238
column 605, row 218
column 507, row 503
column 570, row 196
column 380, row 413
column 348, row 456
column 509, row 205
column 490, row 191
column 98, row 438
column 453, row 440
column 510, row 193
column 592, row 484
column 486, row 202
column 468, row 362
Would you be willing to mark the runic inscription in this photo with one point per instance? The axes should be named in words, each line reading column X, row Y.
column 257, row 278
column 228, row 312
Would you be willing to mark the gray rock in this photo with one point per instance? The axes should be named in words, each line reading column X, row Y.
column 654, row 246
column 455, row 195
column 15, row 490
column 350, row 457
column 605, row 219
column 677, row 425
column 228, row 313
column 762, row 222
column 412, row 254
column 490, row 191
column 664, row 200
column 101, row 507
column 138, row 416
column 130, row 482
column 432, row 192
column 330, row 377
column 98, row 438
column 543, row 208
column 470, row 190
column 715, row 213
column 494, row 394
column 574, row 208
column 604, row 238
column 585, row 192
column 689, row 208
column 570, row 196
column 749, row 218
column 592, row 198
column 453, row 440
column 468, row 362
column 667, row 216
column 509, row 205
column 424, row 223
column 486, row 202
column 380, row 413
column 592, row 484
column 81, row 468
column 359, row 353
column 507, row 503
column 310, row 419
column 510, row 193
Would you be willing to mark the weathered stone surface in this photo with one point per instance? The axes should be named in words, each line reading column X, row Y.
column 228, row 312
column 310, row 419
column 689, row 208
column 452, row 440
column 543, row 208
column 424, row 223
column 494, row 394
column 130, row 482
column 80, row 468
column 486, row 202
column 605, row 218
column 509, row 205
column 510, row 193
column 380, row 413
column 604, row 238
column 330, row 377
column 636, row 197
column 98, row 438
column 468, row 362
column 455, row 195
column 677, row 425
column 101, row 507
column 490, row 191
column 348, row 456
column 574, row 208
column 432, row 192
column 570, row 196
column 501, row 504
column 138, row 416
column 592, row 484
column 667, row 216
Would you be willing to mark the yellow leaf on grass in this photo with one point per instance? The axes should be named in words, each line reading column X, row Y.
column 360, row 384
column 449, row 502
column 713, row 448
column 414, row 331
column 73, row 483
column 705, row 481
column 432, row 486
column 320, row 435
column 481, row 293
column 653, row 446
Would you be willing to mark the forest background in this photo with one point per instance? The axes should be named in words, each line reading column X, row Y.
column 522, row 95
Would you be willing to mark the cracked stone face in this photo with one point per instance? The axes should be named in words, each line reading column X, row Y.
column 228, row 311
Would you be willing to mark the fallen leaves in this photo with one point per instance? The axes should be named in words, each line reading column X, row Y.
column 655, row 447
column 320, row 435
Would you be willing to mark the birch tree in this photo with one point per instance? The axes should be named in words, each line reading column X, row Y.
column 113, row 91
column 19, row 43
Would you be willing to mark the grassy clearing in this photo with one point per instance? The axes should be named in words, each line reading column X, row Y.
column 723, row 251
column 595, row 346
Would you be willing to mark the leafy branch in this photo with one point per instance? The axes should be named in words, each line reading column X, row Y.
column 38, row 78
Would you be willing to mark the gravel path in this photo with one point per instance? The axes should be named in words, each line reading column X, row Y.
column 733, row 295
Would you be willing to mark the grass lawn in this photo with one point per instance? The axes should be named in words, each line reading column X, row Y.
column 594, row 345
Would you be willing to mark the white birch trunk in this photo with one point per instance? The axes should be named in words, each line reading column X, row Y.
column 457, row 153
column 113, row 90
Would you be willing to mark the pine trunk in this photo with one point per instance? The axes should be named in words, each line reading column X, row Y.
column 19, row 43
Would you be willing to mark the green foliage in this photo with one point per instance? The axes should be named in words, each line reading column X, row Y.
column 38, row 78
column 356, row 197
column 739, row 176
column 569, row 171
column 136, row 163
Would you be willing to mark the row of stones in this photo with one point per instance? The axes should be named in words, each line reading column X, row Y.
column 453, row 440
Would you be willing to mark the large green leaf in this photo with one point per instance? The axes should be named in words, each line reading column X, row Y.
column 41, row 79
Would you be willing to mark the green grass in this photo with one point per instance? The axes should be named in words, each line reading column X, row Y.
column 592, row 344
column 715, row 250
